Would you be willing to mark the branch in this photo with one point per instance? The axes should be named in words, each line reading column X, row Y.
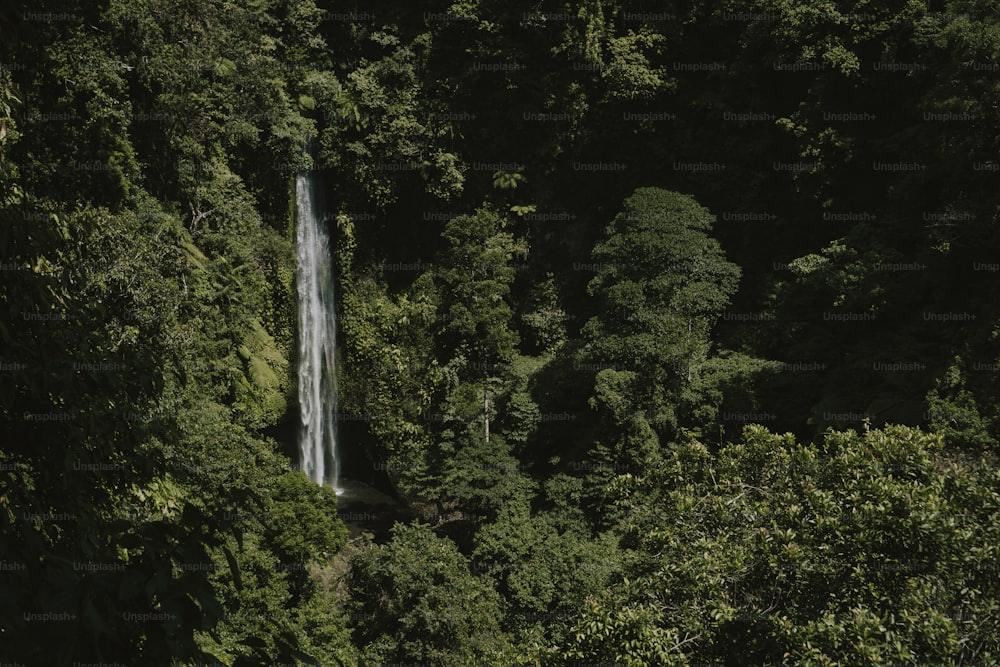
column 685, row 641
column 197, row 215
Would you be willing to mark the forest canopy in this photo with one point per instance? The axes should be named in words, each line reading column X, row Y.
column 671, row 329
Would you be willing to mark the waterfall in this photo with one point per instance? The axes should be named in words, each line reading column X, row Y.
column 317, row 340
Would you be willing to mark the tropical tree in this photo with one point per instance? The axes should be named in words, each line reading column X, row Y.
column 416, row 599
column 660, row 283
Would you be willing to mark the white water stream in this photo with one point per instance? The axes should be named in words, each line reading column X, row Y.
column 317, row 340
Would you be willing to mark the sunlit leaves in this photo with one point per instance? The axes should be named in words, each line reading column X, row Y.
column 858, row 550
column 419, row 601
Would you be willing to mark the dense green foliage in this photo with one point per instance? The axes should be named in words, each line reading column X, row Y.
column 677, row 321
column 419, row 601
column 147, row 342
column 872, row 549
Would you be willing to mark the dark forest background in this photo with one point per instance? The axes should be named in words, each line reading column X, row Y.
column 677, row 325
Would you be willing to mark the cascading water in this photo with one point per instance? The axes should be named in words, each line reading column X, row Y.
column 317, row 340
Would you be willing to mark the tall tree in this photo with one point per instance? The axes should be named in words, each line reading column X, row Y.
column 661, row 282
column 476, row 273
